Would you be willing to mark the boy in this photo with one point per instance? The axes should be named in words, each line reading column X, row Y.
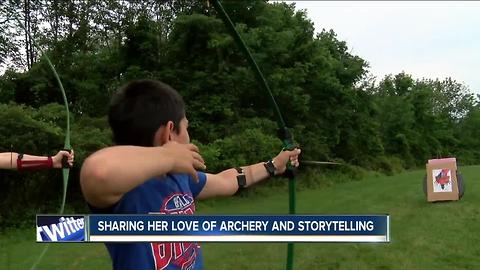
column 154, row 167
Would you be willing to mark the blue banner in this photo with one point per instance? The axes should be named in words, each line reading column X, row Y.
column 254, row 228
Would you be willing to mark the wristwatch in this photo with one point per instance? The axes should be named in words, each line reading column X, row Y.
column 241, row 179
column 270, row 166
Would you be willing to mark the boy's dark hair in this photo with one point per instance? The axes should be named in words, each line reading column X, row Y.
column 140, row 107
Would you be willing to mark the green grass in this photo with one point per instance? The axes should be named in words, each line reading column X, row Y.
column 424, row 235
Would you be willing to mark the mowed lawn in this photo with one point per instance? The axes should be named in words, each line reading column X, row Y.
column 424, row 235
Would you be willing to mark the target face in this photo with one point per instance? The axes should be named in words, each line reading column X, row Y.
column 442, row 180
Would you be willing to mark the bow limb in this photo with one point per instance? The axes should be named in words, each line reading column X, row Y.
column 284, row 132
column 66, row 145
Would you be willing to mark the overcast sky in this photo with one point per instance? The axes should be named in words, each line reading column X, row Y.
column 430, row 39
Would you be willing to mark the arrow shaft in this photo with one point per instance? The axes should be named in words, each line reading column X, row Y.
column 320, row 162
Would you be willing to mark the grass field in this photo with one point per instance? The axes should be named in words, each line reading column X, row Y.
column 423, row 235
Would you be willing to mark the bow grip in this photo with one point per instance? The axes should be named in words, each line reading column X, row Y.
column 291, row 171
column 65, row 164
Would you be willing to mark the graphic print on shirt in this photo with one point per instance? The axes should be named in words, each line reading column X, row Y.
column 181, row 255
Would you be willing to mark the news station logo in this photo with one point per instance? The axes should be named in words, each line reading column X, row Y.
column 64, row 228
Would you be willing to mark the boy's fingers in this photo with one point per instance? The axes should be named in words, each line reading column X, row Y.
column 192, row 147
column 198, row 157
column 199, row 165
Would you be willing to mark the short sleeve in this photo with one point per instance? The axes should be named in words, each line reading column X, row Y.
column 195, row 187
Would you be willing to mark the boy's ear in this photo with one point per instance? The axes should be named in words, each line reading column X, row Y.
column 163, row 134
column 170, row 126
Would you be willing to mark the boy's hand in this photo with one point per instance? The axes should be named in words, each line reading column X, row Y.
column 283, row 157
column 185, row 158
column 57, row 159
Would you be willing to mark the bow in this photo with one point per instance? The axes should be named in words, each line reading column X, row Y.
column 66, row 145
column 284, row 132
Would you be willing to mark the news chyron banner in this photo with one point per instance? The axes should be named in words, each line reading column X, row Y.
column 222, row 228
column 61, row 228
column 215, row 228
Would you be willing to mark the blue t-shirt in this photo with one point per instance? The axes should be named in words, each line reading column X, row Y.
column 172, row 194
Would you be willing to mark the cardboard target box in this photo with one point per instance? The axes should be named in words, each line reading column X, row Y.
column 442, row 182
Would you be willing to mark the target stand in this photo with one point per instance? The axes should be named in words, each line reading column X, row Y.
column 443, row 182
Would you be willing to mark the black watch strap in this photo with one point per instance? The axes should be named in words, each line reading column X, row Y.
column 270, row 167
column 241, row 179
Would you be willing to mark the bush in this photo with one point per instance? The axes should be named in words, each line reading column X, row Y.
column 244, row 148
column 387, row 165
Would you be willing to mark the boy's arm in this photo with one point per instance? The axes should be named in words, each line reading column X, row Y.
column 225, row 183
column 111, row 172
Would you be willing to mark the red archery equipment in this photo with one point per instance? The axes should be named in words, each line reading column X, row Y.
column 33, row 165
